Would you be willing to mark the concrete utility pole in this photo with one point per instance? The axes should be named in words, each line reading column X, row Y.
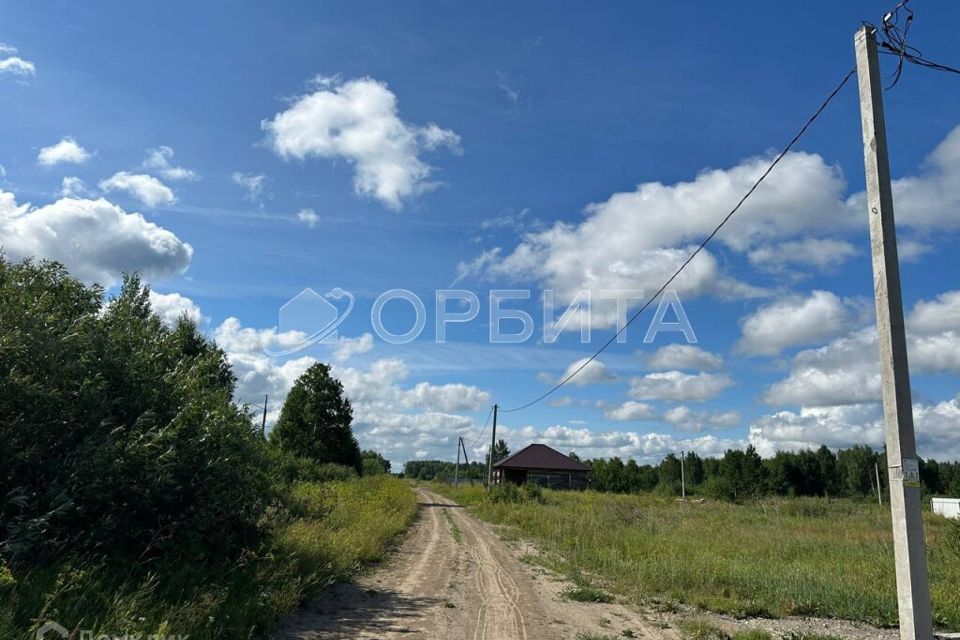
column 876, row 470
column 493, row 442
column 263, row 424
column 913, row 593
column 456, row 473
column 683, row 481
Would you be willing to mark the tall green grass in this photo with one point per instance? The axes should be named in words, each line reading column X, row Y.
column 325, row 534
column 775, row 557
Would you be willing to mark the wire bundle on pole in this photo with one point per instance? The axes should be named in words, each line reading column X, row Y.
column 892, row 39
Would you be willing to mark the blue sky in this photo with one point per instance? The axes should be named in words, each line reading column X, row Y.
column 237, row 153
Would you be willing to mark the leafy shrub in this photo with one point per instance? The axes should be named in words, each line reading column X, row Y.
column 533, row 492
column 374, row 463
column 331, row 472
column 505, row 493
column 118, row 434
column 509, row 493
column 287, row 469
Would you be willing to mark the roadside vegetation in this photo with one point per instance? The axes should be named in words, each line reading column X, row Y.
column 137, row 498
column 770, row 557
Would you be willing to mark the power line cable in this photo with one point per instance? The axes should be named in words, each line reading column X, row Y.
column 696, row 251
column 484, row 431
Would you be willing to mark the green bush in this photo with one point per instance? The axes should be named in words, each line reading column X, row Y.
column 137, row 497
column 509, row 493
column 505, row 493
column 118, row 434
column 287, row 468
column 533, row 492
column 331, row 472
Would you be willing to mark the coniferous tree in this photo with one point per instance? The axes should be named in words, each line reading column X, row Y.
column 315, row 421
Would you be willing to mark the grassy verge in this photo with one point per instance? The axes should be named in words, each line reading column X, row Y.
column 331, row 530
column 775, row 557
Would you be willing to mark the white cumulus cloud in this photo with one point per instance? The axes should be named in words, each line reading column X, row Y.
column 846, row 370
column 308, row 217
column 594, row 371
column 587, row 443
column 684, row 418
column 678, row 386
column 798, row 217
column 65, row 151
column 794, row 320
column 357, row 120
column 401, row 421
column 683, row 356
column 160, row 160
column 631, row 410
column 96, row 240
column 147, row 189
column 74, row 187
column 14, row 65
column 821, row 253
column 935, row 426
column 252, row 183
column 172, row 306
column 346, row 348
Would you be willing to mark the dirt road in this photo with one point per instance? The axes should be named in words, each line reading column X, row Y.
column 453, row 579
column 476, row 588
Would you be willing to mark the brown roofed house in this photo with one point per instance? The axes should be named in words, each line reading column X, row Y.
column 545, row 466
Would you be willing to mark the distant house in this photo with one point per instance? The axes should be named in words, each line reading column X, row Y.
column 545, row 466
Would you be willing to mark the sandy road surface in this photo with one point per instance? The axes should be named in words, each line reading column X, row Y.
column 435, row 587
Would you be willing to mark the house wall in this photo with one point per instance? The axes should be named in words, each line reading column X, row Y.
column 549, row 478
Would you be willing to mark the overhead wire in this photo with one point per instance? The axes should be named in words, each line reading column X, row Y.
column 696, row 251
column 484, row 430
column 892, row 39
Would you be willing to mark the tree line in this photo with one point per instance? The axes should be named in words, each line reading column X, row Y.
column 742, row 474
column 446, row 470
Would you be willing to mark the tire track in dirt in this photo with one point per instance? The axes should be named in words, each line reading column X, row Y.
column 499, row 595
column 435, row 588
column 423, row 559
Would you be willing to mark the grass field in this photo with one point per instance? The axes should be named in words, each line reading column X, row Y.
column 330, row 531
column 775, row 557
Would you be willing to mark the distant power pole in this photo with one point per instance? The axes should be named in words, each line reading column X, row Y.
column 493, row 442
column 683, row 482
column 456, row 473
column 263, row 424
column 913, row 593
